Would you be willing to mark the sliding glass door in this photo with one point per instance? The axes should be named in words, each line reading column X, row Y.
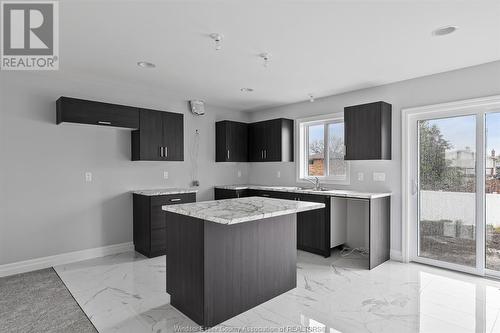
column 453, row 173
column 447, row 189
column 492, row 189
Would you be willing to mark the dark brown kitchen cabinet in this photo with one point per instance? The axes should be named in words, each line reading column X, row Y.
column 74, row 110
column 221, row 193
column 313, row 227
column 160, row 136
column 367, row 133
column 150, row 221
column 231, row 141
column 271, row 141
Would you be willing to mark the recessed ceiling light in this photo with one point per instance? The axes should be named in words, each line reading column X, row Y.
column 145, row 64
column 445, row 30
column 246, row 89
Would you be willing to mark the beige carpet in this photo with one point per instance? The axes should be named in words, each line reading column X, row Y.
column 39, row 302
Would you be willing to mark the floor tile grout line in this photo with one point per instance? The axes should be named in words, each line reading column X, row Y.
column 69, row 291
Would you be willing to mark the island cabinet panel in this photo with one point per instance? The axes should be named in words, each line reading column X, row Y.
column 185, row 265
column 160, row 137
column 217, row 271
column 231, row 141
column 150, row 222
column 367, row 133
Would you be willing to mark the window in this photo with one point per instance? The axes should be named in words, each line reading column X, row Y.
column 321, row 150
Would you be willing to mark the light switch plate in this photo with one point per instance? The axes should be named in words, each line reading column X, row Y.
column 165, row 174
column 88, row 177
column 278, row 174
column 239, row 173
column 361, row 176
column 379, row 176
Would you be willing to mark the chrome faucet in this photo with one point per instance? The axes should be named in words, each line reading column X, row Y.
column 317, row 185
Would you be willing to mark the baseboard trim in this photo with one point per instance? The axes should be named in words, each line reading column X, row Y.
column 396, row 255
column 64, row 258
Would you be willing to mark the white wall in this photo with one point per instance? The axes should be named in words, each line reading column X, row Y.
column 46, row 208
column 478, row 81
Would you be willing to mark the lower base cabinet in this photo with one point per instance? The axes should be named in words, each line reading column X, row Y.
column 313, row 227
column 150, row 226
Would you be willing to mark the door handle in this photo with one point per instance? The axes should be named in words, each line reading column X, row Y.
column 414, row 187
column 175, row 200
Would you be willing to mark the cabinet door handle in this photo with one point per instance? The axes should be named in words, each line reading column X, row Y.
column 262, row 154
column 166, row 151
column 265, row 195
column 265, row 154
column 104, row 122
column 175, row 200
column 161, row 151
column 228, row 154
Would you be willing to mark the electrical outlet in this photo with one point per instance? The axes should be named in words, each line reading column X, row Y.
column 88, row 177
column 278, row 174
column 379, row 176
column 239, row 173
column 361, row 176
column 165, row 174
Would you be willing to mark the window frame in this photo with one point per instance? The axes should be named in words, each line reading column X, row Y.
column 302, row 150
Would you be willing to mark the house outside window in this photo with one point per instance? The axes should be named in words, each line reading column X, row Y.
column 321, row 149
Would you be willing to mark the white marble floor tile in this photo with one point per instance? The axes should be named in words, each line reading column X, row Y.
column 126, row 293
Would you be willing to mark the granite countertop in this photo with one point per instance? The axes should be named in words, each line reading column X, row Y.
column 232, row 211
column 295, row 189
column 165, row 191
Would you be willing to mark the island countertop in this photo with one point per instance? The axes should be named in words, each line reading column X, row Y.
column 232, row 211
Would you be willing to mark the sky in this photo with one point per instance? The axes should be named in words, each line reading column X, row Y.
column 461, row 131
column 316, row 131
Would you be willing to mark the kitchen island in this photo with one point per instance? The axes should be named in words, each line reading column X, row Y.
column 227, row 256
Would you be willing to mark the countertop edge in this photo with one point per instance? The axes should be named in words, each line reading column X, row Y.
column 312, row 206
column 357, row 195
column 158, row 192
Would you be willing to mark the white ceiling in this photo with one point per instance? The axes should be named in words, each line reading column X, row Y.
column 319, row 47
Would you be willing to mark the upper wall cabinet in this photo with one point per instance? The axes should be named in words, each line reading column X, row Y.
column 160, row 137
column 368, row 131
column 271, row 141
column 157, row 135
column 231, row 141
column 81, row 111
